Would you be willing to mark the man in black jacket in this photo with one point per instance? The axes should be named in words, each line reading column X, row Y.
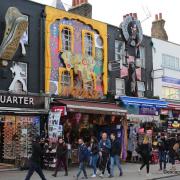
column 35, row 160
column 115, row 155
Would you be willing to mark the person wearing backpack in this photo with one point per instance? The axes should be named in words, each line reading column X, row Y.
column 83, row 156
column 162, row 152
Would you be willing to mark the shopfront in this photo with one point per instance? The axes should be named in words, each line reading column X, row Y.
column 143, row 119
column 170, row 117
column 22, row 117
column 86, row 119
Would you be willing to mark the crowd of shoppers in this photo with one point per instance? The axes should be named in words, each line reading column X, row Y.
column 104, row 155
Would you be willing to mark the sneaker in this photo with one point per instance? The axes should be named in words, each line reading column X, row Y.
column 16, row 25
column 148, row 174
column 101, row 175
column 110, row 176
column 139, row 171
column 93, row 176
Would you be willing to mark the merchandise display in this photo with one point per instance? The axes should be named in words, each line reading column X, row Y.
column 18, row 134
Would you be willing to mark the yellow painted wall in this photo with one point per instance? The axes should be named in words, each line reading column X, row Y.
column 52, row 15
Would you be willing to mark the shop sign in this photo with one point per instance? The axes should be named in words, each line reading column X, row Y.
column 62, row 109
column 148, row 110
column 54, row 127
column 22, row 101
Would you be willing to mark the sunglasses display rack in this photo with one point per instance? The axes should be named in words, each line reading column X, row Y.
column 18, row 133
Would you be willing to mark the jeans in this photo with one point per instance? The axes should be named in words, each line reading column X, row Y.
column 35, row 167
column 82, row 168
column 94, row 162
column 115, row 160
column 162, row 159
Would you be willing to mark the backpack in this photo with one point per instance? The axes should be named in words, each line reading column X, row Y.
column 86, row 153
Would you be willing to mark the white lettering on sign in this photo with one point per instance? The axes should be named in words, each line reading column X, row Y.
column 16, row 100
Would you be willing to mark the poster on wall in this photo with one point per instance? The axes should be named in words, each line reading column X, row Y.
column 54, row 127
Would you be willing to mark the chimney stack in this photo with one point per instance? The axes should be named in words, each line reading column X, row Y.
column 81, row 7
column 157, row 30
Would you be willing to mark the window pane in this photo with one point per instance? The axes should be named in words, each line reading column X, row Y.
column 119, row 51
column 120, row 86
column 88, row 44
column 66, row 39
column 141, row 86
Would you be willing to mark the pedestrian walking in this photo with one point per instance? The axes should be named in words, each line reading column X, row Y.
column 61, row 156
column 104, row 147
column 94, row 155
column 162, row 152
column 145, row 152
column 83, row 155
column 35, row 160
column 115, row 155
column 172, row 151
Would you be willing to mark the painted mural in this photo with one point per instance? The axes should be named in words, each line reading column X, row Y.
column 76, row 58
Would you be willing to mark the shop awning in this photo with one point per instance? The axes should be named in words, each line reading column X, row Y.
column 92, row 107
column 174, row 106
column 143, row 101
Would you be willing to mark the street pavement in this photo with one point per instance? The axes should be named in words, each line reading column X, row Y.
column 130, row 173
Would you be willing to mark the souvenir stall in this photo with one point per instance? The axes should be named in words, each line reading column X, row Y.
column 17, row 133
column 22, row 118
column 86, row 119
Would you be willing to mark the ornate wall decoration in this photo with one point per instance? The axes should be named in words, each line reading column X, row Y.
column 76, row 55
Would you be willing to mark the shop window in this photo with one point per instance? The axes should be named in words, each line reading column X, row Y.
column 141, row 88
column 120, row 51
column 88, row 44
column 120, row 86
column 171, row 93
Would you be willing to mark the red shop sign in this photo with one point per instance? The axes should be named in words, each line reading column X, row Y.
column 59, row 108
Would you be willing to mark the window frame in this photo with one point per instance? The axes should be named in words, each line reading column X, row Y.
column 121, row 53
column 142, row 59
column 170, row 62
column 121, row 89
column 84, row 32
column 139, row 90
column 60, row 86
column 71, row 29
